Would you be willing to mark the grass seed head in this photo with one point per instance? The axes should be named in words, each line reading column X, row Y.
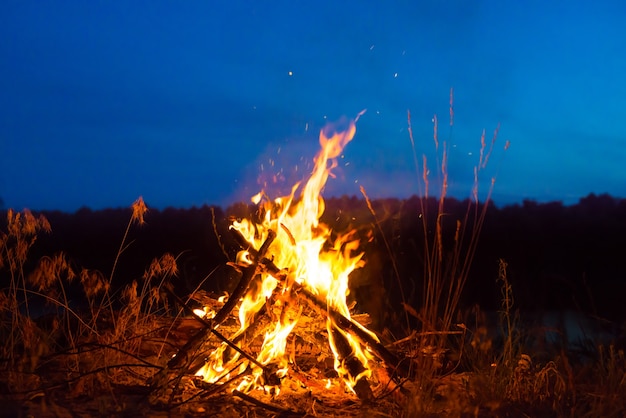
column 93, row 282
column 139, row 209
column 49, row 270
column 162, row 267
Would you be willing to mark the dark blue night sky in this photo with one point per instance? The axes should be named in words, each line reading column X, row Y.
column 187, row 103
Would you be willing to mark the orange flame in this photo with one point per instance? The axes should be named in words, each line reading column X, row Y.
column 305, row 249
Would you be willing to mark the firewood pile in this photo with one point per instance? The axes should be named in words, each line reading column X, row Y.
column 305, row 379
column 286, row 331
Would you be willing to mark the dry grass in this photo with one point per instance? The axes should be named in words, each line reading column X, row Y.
column 462, row 367
column 53, row 344
column 448, row 248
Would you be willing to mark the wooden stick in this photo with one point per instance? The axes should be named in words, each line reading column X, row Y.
column 183, row 355
column 351, row 364
column 273, row 408
column 208, row 325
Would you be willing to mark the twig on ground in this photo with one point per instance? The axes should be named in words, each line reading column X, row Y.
column 273, row 408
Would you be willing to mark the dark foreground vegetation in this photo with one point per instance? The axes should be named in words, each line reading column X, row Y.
column 514, row 351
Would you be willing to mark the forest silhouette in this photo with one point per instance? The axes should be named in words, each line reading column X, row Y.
column 559, row 257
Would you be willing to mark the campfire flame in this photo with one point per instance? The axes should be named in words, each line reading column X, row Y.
column 311, row 259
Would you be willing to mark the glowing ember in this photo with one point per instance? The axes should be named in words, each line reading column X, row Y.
column 311, row 261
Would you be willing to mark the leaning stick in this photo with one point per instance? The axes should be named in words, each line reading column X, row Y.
column 283, row 412
column 351, row 364
column 195, row 342
column 208, row 325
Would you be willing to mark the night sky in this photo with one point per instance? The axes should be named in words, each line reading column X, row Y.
column 189, row 103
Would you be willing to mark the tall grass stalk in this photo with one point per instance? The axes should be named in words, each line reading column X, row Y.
column 507, row 321
column 447, row 264
column 15, row 244
column 394, row 264
column 139, row 209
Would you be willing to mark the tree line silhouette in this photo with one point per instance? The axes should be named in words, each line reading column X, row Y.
column 559, row 257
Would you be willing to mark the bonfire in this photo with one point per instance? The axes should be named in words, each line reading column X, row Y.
column 289, row 312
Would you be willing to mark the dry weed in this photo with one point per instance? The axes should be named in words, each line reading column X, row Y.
column 49, row 271
column 94, row 283
column 139, row 210
column 603, row 393
column 22, row 230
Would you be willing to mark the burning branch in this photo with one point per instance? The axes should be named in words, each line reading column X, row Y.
column 183, row 356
